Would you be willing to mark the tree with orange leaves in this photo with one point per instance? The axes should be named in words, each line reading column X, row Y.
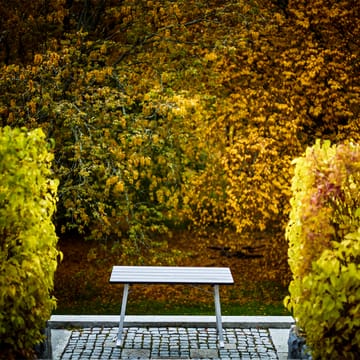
column 187, row 111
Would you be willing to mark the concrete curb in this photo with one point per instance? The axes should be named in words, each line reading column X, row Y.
column 59, row 340
column 69, row 321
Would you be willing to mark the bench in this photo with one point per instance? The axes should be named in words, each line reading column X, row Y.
column 129, row 275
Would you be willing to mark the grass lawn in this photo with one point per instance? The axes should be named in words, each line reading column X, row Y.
column 82, row 284
column 160, row 308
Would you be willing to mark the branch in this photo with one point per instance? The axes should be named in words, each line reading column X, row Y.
column 145, row 39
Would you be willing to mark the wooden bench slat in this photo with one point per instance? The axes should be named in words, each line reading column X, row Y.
column 171, row 275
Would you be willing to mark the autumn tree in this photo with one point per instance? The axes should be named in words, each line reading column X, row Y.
column 281, row 84
column 26, row 29
column 187, row 111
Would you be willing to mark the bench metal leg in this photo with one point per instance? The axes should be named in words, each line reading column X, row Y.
column 218, row 315
column 119, row 340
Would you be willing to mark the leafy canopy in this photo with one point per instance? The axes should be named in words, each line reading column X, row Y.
column 185, row 112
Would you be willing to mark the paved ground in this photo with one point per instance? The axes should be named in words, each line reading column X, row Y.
column 171, row 342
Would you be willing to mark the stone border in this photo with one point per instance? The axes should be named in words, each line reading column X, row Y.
column 69, row 321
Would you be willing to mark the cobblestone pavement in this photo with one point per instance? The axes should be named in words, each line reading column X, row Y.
column 169, row 343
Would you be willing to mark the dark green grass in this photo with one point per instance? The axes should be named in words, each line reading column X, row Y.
column 162, row 308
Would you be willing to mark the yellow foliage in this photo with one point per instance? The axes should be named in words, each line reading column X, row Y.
column 195, row 111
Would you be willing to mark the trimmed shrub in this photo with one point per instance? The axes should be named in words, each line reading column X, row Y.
column 28, row 255
column 324, row 249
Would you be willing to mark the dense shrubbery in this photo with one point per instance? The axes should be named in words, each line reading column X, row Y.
column 324, row 249
column 180, row 110
column 121, row 162
column 28, row 255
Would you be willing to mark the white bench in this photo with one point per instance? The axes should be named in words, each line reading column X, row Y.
column 129, row 275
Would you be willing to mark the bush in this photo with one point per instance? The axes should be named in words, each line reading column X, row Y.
column 28, row 255
column 324, row 249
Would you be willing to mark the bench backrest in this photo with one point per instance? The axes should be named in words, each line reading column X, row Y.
column 171, row 275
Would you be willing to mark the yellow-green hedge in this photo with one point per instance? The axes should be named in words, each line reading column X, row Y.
column 28, row 255
column 324, row 249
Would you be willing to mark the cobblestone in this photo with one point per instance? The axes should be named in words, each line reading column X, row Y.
column 169, row 343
